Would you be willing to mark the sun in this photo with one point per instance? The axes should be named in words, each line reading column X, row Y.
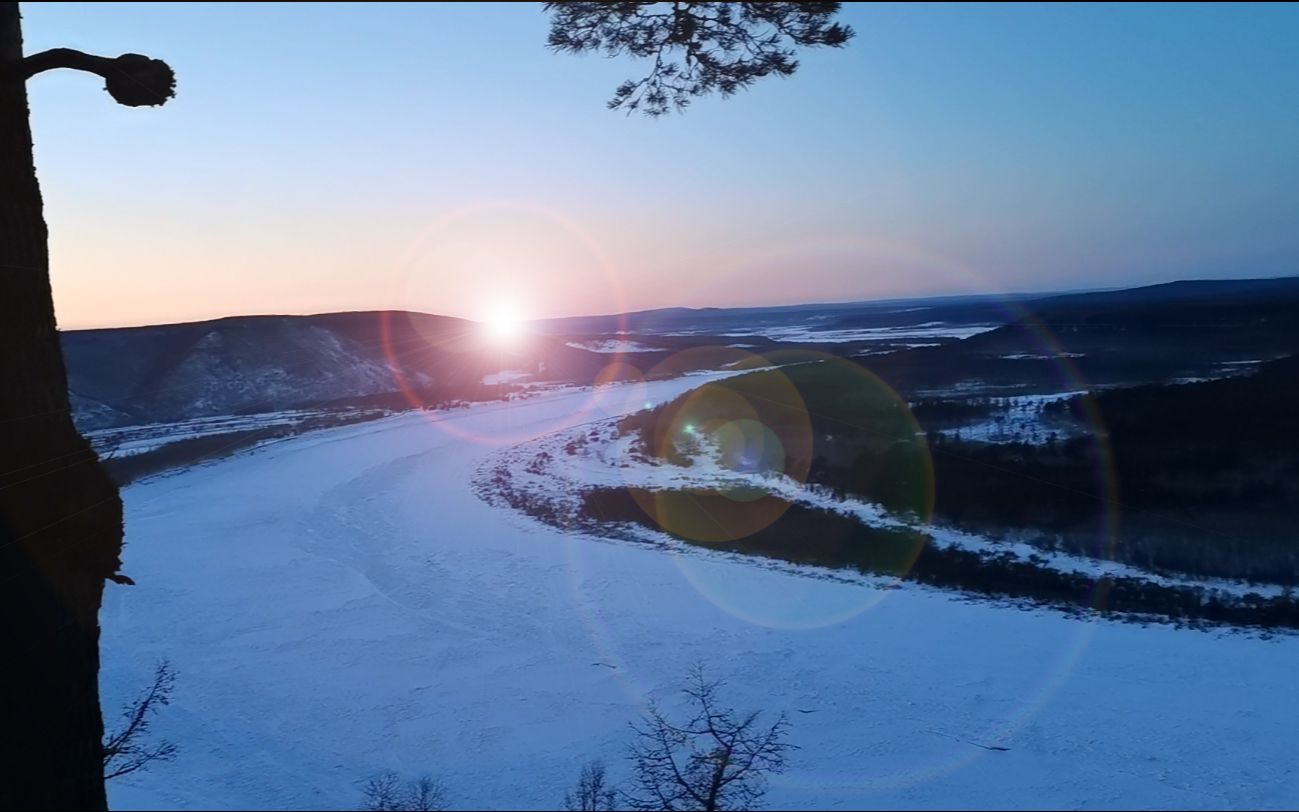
column 503, row 325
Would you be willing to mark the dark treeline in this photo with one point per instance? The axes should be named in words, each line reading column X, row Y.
column 125, row 469
column 1197, row 478
column 805, row 535
column 1202, row 478
column 944, row 412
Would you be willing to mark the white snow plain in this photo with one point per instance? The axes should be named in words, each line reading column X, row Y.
column 341, row 603
column 802, row 334
column 506, row 376
column 612, row 346
column 127, row 441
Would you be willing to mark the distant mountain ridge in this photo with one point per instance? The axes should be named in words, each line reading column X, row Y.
column 250, row 364
column 959, row 309
column 689, row 319
column 1212, row 318
column 1182, row 291
column 1168, row 332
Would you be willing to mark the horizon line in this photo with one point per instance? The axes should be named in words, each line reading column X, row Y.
column 822, row 303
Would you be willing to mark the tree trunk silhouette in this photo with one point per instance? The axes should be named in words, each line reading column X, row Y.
column 60, row 514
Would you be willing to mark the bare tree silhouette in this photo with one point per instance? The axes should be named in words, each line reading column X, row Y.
column 385, row 792
column 715, row 760
column 696, row 48
column 129, row 748
column 593, row 792
column 60, row 514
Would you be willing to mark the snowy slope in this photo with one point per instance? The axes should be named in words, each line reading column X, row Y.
column 342, row 603
column 246, row 364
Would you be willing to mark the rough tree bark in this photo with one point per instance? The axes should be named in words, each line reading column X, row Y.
column 60, row 514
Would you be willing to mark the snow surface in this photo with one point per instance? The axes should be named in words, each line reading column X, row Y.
column 612, row 346
column 1018, row 419
column 932, row 329
column 1034, row 356
column 341, row 603
column 506, row 376
column 127, row 441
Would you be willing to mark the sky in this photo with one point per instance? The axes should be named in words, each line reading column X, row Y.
column 439, row 158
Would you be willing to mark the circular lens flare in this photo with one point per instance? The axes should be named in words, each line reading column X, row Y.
column 904, row 476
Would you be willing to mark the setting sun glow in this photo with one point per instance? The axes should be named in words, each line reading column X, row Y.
column 503, row 325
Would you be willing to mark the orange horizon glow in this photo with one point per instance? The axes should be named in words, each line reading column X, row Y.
column 910, row 164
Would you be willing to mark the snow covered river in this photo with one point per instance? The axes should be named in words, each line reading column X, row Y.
column 342, row 603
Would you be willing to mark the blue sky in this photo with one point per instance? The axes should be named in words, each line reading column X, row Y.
column 439, row 158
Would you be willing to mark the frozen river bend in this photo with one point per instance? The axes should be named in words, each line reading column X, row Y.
column 343, row 603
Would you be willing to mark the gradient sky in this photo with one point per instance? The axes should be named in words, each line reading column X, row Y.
column 439, row 158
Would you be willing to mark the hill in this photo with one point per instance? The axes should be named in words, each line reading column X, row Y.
column 269, row 363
